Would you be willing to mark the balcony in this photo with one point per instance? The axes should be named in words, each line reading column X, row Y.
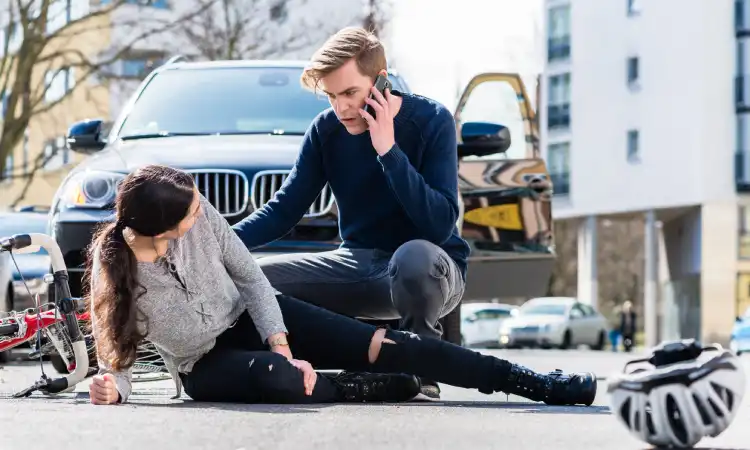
column 560, row 183
column 558, row 48
column 742, row 170
column 742, row 18
column 558, row 116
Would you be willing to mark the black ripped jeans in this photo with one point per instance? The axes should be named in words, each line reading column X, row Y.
column 240, row 368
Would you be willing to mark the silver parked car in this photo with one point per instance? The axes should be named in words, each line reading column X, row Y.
column 561, row 322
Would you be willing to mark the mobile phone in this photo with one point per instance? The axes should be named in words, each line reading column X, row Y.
column 381, row 84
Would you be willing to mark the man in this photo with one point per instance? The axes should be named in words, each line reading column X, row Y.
column 395, row 180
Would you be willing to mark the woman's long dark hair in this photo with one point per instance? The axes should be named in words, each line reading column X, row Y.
column 150, row 201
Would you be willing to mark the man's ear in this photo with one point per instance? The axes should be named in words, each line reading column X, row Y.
column 383, row 72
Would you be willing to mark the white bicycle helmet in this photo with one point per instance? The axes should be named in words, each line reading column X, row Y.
column 679, row 399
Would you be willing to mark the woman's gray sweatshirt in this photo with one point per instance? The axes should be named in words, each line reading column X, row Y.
column 221, row 279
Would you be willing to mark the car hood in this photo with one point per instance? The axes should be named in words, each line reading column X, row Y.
column 536, row 320
column 199, row 152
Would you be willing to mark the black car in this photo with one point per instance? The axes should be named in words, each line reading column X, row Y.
column 237, row 126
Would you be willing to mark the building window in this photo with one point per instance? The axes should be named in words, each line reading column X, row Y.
column 744, row 232
column 59, row 83
column 741, row 19
column 633, row 71
column 9, row 171
column 558, row 108
column 634, row 7
column 60, row 12
column 558, row 35
column 139, row 68
column 56, row 154
column 634, row 147
column 558, row 164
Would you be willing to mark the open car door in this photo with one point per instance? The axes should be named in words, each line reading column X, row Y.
column 505, row 189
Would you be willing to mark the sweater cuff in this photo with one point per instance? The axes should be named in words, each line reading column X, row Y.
column 393, row 158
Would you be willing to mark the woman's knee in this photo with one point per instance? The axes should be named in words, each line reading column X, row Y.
column 378, row 339
column 249, row 377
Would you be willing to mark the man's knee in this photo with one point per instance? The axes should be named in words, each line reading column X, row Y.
column 418, row 260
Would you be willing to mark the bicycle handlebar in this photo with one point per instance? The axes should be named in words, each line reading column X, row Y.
column 21, row 242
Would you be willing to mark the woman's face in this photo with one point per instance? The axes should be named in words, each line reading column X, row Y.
column 187, row 223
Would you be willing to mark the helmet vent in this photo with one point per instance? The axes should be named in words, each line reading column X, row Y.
column 676, row 421
column 724, row 394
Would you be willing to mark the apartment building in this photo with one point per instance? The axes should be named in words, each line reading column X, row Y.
column 646, row 115
column 103, row 95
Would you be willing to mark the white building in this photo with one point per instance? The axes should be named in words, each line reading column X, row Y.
column 642, row 114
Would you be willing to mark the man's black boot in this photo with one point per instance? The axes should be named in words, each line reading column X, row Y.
column 554, row 388
column 430, row 389
column 376, row 387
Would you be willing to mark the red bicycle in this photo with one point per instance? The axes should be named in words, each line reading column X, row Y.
column 56, row 324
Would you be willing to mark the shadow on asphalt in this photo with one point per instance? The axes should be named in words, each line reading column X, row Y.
column 534, row 408
column 526, row 408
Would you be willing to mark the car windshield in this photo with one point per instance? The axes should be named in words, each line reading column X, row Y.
column 23, row 223
column 234, row 100
column 543, row 309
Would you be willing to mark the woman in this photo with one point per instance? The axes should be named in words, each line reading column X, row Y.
column 171, row 269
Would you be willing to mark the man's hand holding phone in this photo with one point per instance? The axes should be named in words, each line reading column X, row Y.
column 381, row 126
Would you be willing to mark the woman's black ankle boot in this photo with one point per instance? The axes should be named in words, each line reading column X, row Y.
column 554, row 388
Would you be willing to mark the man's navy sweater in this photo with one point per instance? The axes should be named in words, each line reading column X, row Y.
column 409, row 193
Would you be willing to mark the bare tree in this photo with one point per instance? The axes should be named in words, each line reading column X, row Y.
column 377, row 16
column 43, row 41
column 252, row 29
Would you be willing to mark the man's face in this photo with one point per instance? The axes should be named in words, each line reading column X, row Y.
column 347, row 89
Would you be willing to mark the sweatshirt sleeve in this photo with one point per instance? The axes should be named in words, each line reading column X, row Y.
column 428, row 196
column 123, row 379
column 254, row 287
column 304, row 183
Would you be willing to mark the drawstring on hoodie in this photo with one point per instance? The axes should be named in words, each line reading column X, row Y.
column 169, row 261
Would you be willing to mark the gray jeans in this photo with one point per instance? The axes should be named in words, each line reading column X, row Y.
column 418, row 283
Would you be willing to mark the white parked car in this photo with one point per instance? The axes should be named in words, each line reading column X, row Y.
column 480, row 323
column 561, row 322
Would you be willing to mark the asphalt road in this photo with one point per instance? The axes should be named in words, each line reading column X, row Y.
column 462, row 419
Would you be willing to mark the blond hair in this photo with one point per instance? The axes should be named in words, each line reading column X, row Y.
column 347, row 43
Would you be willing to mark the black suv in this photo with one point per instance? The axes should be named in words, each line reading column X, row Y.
column 237, row 126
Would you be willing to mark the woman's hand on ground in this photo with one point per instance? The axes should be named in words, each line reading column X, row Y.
column 103, row 390
column 308, row 373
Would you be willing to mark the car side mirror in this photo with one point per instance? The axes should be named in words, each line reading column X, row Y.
column 482, row 139
column 86, row 136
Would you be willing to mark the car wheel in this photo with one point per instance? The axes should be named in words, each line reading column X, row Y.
column 567, row 339
column 600, row 341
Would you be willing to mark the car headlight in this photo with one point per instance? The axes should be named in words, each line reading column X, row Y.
column 91, row 189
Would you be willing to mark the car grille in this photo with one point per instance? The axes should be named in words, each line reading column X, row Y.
column 226, row 190
column 267, row 183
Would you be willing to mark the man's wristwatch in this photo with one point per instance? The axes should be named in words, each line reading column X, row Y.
column 280, row 340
